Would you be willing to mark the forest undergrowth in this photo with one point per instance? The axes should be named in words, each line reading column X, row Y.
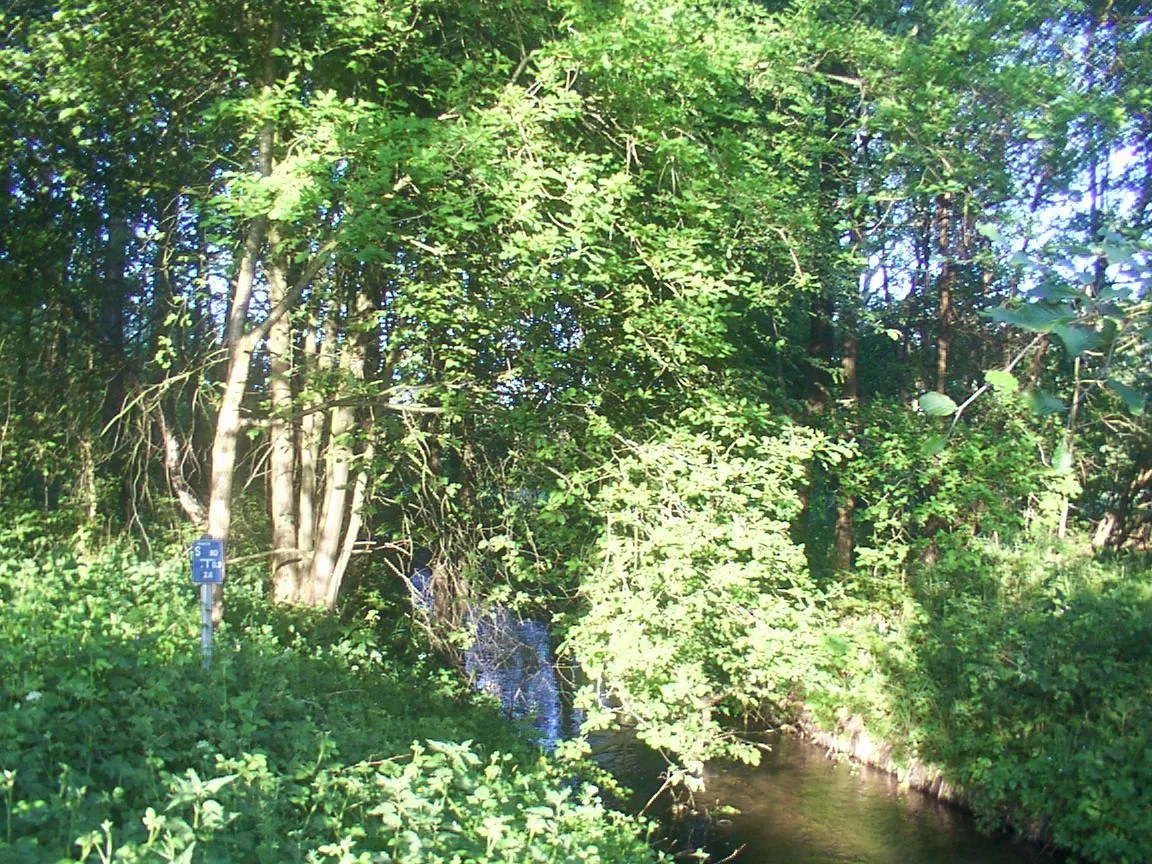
column 310, row 739
column 1018, row 670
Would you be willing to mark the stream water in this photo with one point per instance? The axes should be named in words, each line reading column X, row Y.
column 796, row 807
column 800, row 807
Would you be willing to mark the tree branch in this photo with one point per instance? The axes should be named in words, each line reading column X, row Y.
column 984, row 387
column 319, row 260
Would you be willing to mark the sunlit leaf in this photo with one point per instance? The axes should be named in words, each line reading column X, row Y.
column 1001, row 381
column 937, row 404
column 987, row 229
column 1062, row 459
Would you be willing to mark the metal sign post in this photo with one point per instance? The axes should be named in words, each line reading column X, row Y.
column 207, row 570
column 206, row 623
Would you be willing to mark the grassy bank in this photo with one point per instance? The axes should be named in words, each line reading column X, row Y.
column 308, row 739
column 1024, row 675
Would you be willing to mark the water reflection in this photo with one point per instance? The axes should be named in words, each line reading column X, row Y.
column 800, row 807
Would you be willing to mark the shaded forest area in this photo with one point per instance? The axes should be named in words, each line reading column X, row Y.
column 791, row 358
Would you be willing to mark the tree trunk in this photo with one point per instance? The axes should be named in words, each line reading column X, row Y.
column 173, row 467
column 310, row 435
column 818, row 391
column 113, row 298
column 332, row 538
column 944, row 285
column 240, row 348
column 337, row 472
column 240, row 343
column 355, row 519
column 282, row 439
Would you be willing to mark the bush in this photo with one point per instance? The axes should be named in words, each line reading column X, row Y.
column 1034, row 695
column 1022, row 672
column 697, row 603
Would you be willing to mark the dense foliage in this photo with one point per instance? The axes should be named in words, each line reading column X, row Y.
column 307, row 740
column 794, row 357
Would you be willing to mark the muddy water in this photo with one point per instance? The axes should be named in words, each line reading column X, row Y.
column 799, row 807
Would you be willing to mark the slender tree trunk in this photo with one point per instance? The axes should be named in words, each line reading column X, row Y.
column 113, row 299
column 337, row 473
column 918, row 298
column 944, row 283
column 310, row 435
column 240, row 343
column 173, row 465
column 332, row 538
column 240, row 349
column 355, row 520
column 282, row 439
column 818, row 390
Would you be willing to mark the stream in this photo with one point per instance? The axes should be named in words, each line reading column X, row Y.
column 800, row 807
column 796, row 807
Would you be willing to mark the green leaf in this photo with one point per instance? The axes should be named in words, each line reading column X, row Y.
column 987, row 229
column 893, row 334
column 1076, row 338
column 1055, row 290
column 1001, row 381
column 1134, row 400
column 1044, row 403
column 937, row 404
column 1117, row 254
column 217, row 783
column 932, row 445
column 1035, row 317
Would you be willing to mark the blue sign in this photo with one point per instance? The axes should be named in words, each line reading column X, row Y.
column 208, row 561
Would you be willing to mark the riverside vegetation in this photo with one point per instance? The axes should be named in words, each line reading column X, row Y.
column 1017, row 669
column 791, row 359
column 309, row 739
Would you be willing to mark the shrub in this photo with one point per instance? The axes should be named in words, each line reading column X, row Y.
column 697, row 604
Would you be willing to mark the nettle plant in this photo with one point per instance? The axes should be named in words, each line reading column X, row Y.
column 697, row 604
column 308, row 738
